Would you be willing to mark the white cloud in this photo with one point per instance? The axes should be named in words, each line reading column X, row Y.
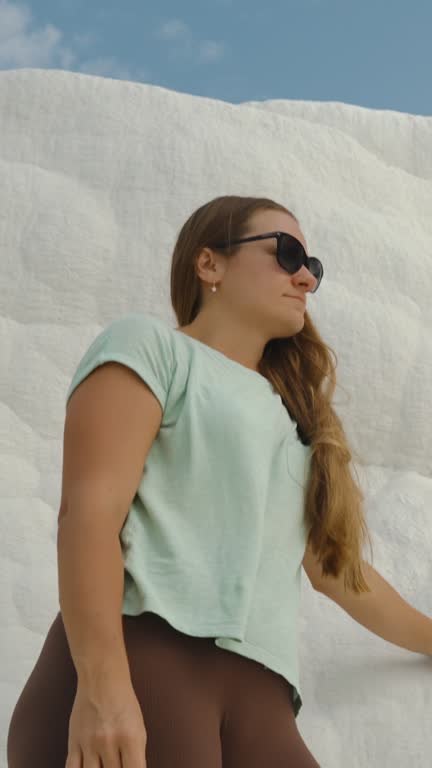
column 177, row 31
column 23, row 44
column 211, row 50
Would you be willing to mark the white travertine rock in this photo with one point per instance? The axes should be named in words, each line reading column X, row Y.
column 96, row 178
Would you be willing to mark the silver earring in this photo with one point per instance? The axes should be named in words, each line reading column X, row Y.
column 214, row 289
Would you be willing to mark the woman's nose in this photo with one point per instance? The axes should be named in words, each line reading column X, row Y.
column 305, row 277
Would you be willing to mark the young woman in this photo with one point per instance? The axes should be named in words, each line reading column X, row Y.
column 203, row 466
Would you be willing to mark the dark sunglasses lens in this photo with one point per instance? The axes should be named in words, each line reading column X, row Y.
column 292, row 258
column 316, row 268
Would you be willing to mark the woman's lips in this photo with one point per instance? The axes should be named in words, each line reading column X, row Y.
column 295, row 297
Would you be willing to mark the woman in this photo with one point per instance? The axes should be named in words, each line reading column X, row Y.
column 188, row 506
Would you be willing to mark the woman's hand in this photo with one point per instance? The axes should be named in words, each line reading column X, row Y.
column 107, row 730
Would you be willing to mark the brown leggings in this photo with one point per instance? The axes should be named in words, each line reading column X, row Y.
column 203, row 706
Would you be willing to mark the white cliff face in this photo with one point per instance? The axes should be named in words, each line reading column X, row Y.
column 97, row 177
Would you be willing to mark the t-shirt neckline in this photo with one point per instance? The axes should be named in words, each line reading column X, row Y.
column 255, row 374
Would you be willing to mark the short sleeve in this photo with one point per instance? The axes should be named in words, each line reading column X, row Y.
column 137, row 340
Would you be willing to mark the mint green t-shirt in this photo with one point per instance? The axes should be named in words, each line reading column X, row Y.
column 215, row 536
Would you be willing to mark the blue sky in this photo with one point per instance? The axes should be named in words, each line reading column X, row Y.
column 376, row 54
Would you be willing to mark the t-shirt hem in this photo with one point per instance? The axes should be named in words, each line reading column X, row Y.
column 231, row 636
column 268, row 659
column 209, row 628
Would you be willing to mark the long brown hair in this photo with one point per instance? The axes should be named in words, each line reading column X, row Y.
column 298, row 367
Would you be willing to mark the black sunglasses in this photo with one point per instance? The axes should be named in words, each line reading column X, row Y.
column 290, row 254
